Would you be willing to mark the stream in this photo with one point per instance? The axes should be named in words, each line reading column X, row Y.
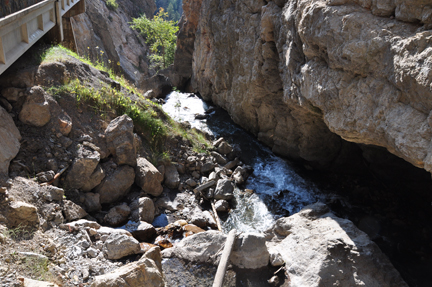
column 278, row 189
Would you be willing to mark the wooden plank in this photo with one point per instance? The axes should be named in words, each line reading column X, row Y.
column 219, row 225
column 223, row 264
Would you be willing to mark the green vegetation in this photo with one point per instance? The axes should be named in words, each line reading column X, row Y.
column 38, row 268
column 173, row 7
column 18, row 233
column 149, row 118
column 111, row 4
column 160, row 35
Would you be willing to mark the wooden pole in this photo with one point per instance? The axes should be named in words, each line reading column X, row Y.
column 223, row 264
column 219, row 225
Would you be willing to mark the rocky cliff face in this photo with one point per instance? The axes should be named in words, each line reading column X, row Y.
column 303, row 74
column 105, row 35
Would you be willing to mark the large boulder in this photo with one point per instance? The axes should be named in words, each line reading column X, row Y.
column 144, row 232
column 116, row 185
column 145, row 272
column 146, row 209
column 148, row 177
column 9, row 141
column 82, row 168
column 321, row 249
column 120, row 140
column 250, row 251
column 36, row 110
column 94, row 180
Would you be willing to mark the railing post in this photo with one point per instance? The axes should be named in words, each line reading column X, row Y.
column 24, row 33
column 2, row 54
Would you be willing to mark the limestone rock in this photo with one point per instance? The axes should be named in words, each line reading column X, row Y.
column 120, row 140
column 120, row 245
column 36, row 110
column 9, row 141
column 73, row 211
column 118, row 215
column 148, row 177
column 116, row 185
column 21, row 213
column 224, row 189
column 82, row 168
column 145, row 272
column 322, row 250
column 172, row 178
column 144, row 232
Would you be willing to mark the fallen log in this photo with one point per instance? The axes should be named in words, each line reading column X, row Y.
column 223, row 264
column 219, row 225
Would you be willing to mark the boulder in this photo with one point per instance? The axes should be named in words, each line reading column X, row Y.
column 144, row 232
column 241, row 174
column 120, row 140
column 172, row 178
column 82, row 168
column 321, row 249
column 224, row 189
column 52, row 193
column 146, row 209
column 145, row 272
column 73, row 211
column 116, row 185
column 224, row 148
column 22, row 214
column 92, row 202
column 117, row 246
column 12, row 94
column 220, row 159
column 118, row 215
column 250, row 251
column 94, row 180
column 36, row 110
column 148, row 177
column 9, row 141
column 207, row 167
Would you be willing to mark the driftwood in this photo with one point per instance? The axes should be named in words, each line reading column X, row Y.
column 204, row 186
column 219, row 225
column 223, row 264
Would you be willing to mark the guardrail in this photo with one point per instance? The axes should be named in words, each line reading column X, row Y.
column 20, row 30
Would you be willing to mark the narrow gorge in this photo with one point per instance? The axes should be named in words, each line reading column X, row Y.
column 305, row 125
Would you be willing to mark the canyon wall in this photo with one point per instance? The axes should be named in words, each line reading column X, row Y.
column 104, row 34
column 304, row 74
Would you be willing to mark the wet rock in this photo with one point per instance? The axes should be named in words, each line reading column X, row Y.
column 222, row 205
column 318, row 244
column 117, row 215
column 116, row 185
column 224, row 189
column 191, row 182
column 92, row 202
column 120, row 245
column 120, row 140
column 146, row 209
column 94, row 180
column 232, row 164
column 241, row 174
column 35, row 111
column 9, row 141
column 22, row 214
column 82, row 168
column 148, row 177
column 73, row 211
column 145, row 272
column 144, row 232
column 250, row 251
column 172, row 178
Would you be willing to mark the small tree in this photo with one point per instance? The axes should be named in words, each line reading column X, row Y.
column 160, row 35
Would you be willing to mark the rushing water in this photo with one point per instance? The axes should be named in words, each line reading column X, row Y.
column 279, row 191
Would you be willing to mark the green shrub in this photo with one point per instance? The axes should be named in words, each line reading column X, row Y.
column 112, row 4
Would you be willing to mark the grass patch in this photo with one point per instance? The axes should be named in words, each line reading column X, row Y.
column 112, row 4
column 37, row 268
column 18, row 233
